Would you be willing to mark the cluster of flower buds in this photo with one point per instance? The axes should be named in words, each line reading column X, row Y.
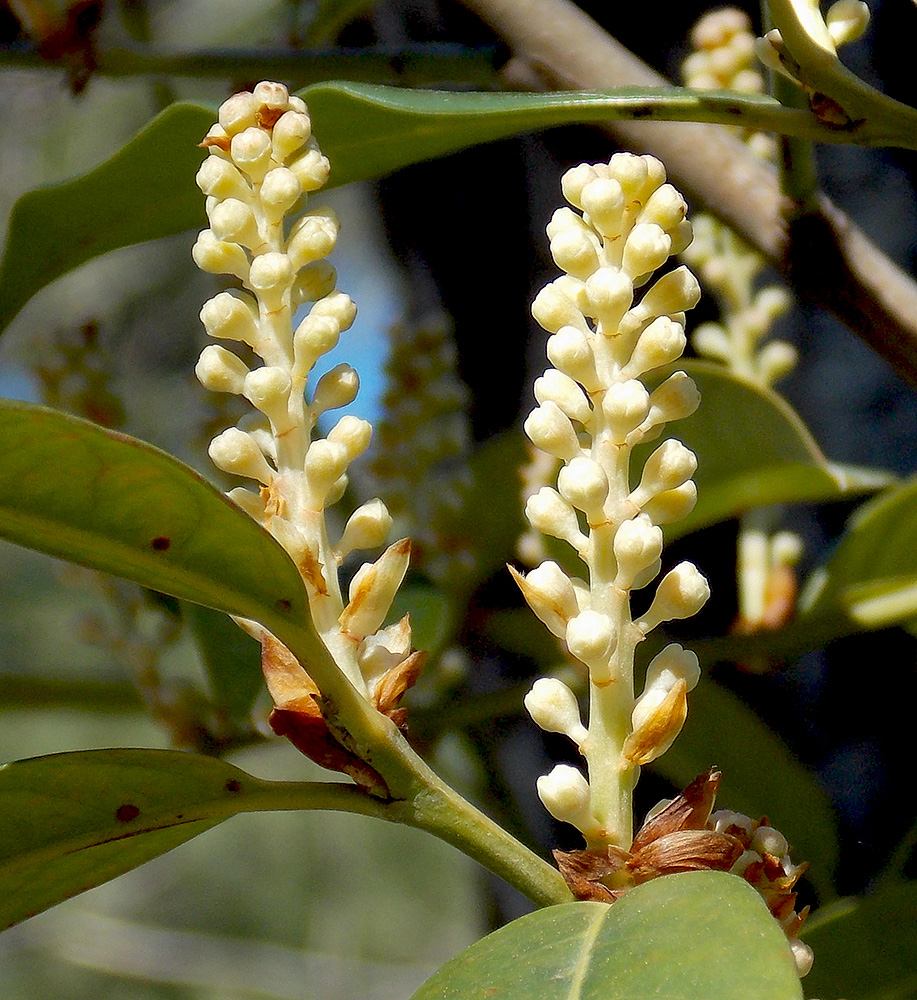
column 593, row 409
column 262, row 161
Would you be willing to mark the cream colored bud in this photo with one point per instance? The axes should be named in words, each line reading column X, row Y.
column 681, row 594
column 583, row 482
column 647, row 575
column 646, row 248
column 675, row 398
column 353, row 433
column 661, row 343
column 575, row 180
column 313, row 237
column 373, row 589
column 682, row 236
column 590, row 637
column 665, row 207
column 251, row 152
column 218, row 257
column 219, row 178
column 231, row 316
column 238, row 112
column 767, row 840
column 559, row 388
column 291, row 132
column 315, row 336
column 565, row 794
column 268, row 390
column 639, row 176
column 220, row 370
column 723, row 819
column 778, row 358
column 773, row 302
column 604, row 202
column 549, row 592
column 234, row 221
column 803, row 956
column 550, row 429
column 573, row 244
column 337, row 305
column 672, row 293
column 553, row 707
column 335, row 388
column 570, row 351
column 610, row 293
column 672, row 505
column 637, row 545
column 251, row 503
column 656, row 721
column 314, row 282
column 553, row 310
column 325, row 463
column 270, row 278
column 311, row 169
column 847, row 20
column 550, row 514
column 280, row 191
column 274, row 95
column 367, row 527
column 670, row 465
column 626, row 405
column 672, row 663
column 712, row 341
column 235, row 451
column 384, row 649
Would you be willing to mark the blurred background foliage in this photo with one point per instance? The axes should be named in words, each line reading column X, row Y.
column 339, row 906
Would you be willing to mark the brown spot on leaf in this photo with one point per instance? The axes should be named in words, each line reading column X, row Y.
column 233, row 786
column 127, row 812
column 160, row 543
column 284, row 605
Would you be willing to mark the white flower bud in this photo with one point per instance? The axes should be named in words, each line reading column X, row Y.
column 235, row 451
column 270, row 278
column 367, row 527
column 550, row 429
column 280, row 191
column 313, row 237
column 353, row 433
column 251, row 503
column 672, row 505
column 847, row 20
column 767, row 840
column 218, row 257
column 712, row 341
column 337, row 305
column 234, row 221
column 660, row 343
column 590, row 637
column 550, row 514
column 559, row 388
column 268, row 390
column 672, row 293
column 553, row 310
column 335, row 388
column 672, row 663
column 803, row 956
column 382, row 650
column 609, row 292
column 681, row 594
column 549, row 593
column 313, row 282
column 604, row 201
column 373, row 589
column 291, row 132
column 572, row 248
column 221, row 179
column 238, row 112
column 251, row 152
column 647, row 247
column 553, row 707
column 778, row 358
column 325, row 463
column 583, row 482
column 575, row 180
column 273, row 95
column 669, row 466
column 637, row 545
column 665, row 207
column 565, row 794
column 626, row 405
column 658, row 716
column 220, row 370
column 639, row 176
column 231, row 316
column 675, row 398
column 315, row 336
column 311, row 169
column 569, row 350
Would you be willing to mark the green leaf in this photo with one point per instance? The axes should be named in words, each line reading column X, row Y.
column 872, row 576
column 72, row 821
column 231, row 658
column 761, row 777
column 752, row 449
column 147, row 189
column 696, row 936
column 865, row 948
column 113, row 503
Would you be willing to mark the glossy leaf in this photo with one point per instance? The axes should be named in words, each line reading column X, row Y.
column 866, row 948
column 147, row 189
column 113, row 503
column 701, row 935
column 872, row 575
column 72, row 821
column 761, row 777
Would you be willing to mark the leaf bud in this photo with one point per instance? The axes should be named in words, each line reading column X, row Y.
column 550, row 429
column 367, row 527
column 549, row 593
column 625, row 407
column 373, row 589
column 335, row 388
column 235, row 452
column 553, row 707
column 681, row 594
column 559, row 388
column 583, row 482
column 220, row 370
column 231, row 316
column 637, row 545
